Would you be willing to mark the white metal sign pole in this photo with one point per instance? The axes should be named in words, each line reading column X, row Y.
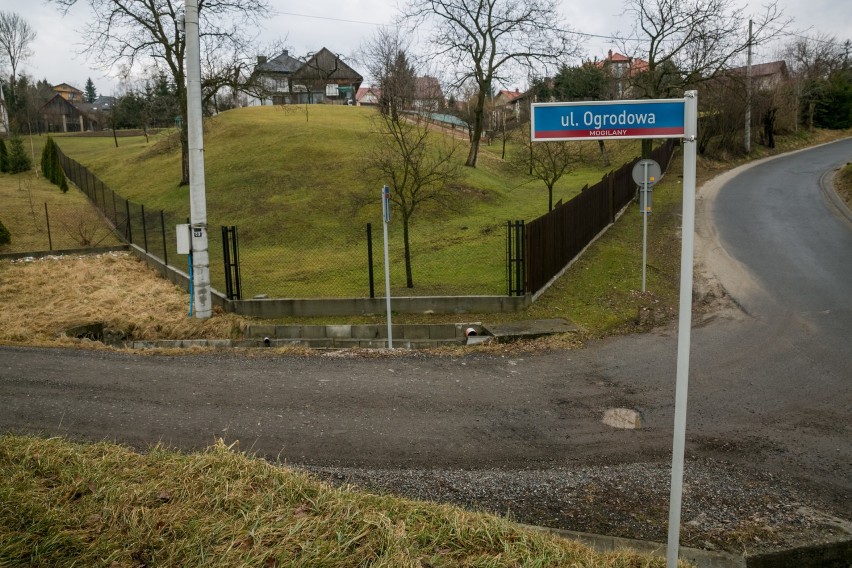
column 386, row 220
column 684, row 323
column 644, row 222
column 197, row 195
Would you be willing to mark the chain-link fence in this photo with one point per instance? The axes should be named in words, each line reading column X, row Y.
column 152, row 230
column 349, row 263
column 307, row 261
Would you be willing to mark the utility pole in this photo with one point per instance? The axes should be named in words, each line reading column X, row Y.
column 748, row 94
column 197, row 192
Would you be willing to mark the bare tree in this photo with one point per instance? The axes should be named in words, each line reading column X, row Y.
column 134, row 32
column 549, row 162
column 687, row 42
column 417, row 162
column 811, row 61
column 482, row 39
column 386, row 58
column 16, row 35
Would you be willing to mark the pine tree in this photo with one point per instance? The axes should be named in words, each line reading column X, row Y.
column 47, row 159
column 5, row 236
column 4, row 158
column 91, row 93
column 18, row 159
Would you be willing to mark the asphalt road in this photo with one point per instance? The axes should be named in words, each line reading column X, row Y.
column 769, row 384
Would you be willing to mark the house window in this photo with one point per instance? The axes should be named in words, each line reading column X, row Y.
column 282, row 85
column 331, row 90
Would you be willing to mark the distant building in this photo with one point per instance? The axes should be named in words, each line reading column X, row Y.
column 69, row 93
column 622, row 69
column 368, row 96
column 764, row 75
column 61, row 115
column 323, row 77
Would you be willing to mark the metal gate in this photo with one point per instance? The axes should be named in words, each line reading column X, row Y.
column 515, row 261
column 231, row 257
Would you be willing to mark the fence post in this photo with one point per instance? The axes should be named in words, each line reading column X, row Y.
column 144, row 229
column 236, row 260
column 370, row 259
column 165, row 248
column 226, row 259
column 47, row 218
column 114, row 210
column 509, row 257
column 128, row 232
column 520, row 247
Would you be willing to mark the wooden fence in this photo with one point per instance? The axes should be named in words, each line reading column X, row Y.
column 557, row 237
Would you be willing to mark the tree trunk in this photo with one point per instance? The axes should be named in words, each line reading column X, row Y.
column 550, row 198
column 409, row 281
column 604, row 153
column 476, row 135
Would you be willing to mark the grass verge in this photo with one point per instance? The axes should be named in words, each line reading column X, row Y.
column 30, row 202
column 42, row 298
column 68, row 504
column 843, row 184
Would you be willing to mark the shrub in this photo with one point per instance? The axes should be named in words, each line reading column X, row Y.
column 18, row 159
column 51, row 166
column 4, row 158
column 5, row 236
column 47, row 162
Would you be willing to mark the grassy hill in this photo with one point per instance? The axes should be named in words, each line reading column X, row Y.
column 297, row 188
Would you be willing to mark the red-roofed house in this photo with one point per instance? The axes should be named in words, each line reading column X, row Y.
column 622, row 68
column 368, row 96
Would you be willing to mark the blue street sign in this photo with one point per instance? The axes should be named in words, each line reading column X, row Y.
column 595, row 120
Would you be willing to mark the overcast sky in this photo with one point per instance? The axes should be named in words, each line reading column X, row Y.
column 343, row 25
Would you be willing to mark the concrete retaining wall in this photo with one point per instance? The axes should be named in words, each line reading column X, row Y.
column 272, row 308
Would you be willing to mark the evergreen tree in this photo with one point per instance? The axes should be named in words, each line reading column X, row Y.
column 18, row 159
column 5, row 237
column 47, row 159
column 4, row 158
column 91, row 93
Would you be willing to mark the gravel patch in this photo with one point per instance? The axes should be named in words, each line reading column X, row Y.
column 723, row 507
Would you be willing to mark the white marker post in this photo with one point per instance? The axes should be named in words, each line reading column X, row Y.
column 644, row 222
column 386, row 220
column 690, row 118
column 197, row 191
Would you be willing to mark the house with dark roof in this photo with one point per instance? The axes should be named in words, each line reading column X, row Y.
column 61, row 115
column 764, row 75
column 322, row 77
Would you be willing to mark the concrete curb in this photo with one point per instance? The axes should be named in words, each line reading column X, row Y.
column 826, row 555
column 826, row 185
column 603, row 543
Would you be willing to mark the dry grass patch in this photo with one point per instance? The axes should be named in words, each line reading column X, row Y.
column 40, row 299
column 64, row 504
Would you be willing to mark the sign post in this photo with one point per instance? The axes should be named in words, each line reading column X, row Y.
column 660, row 118
column 385, row 221
column 646, row 173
